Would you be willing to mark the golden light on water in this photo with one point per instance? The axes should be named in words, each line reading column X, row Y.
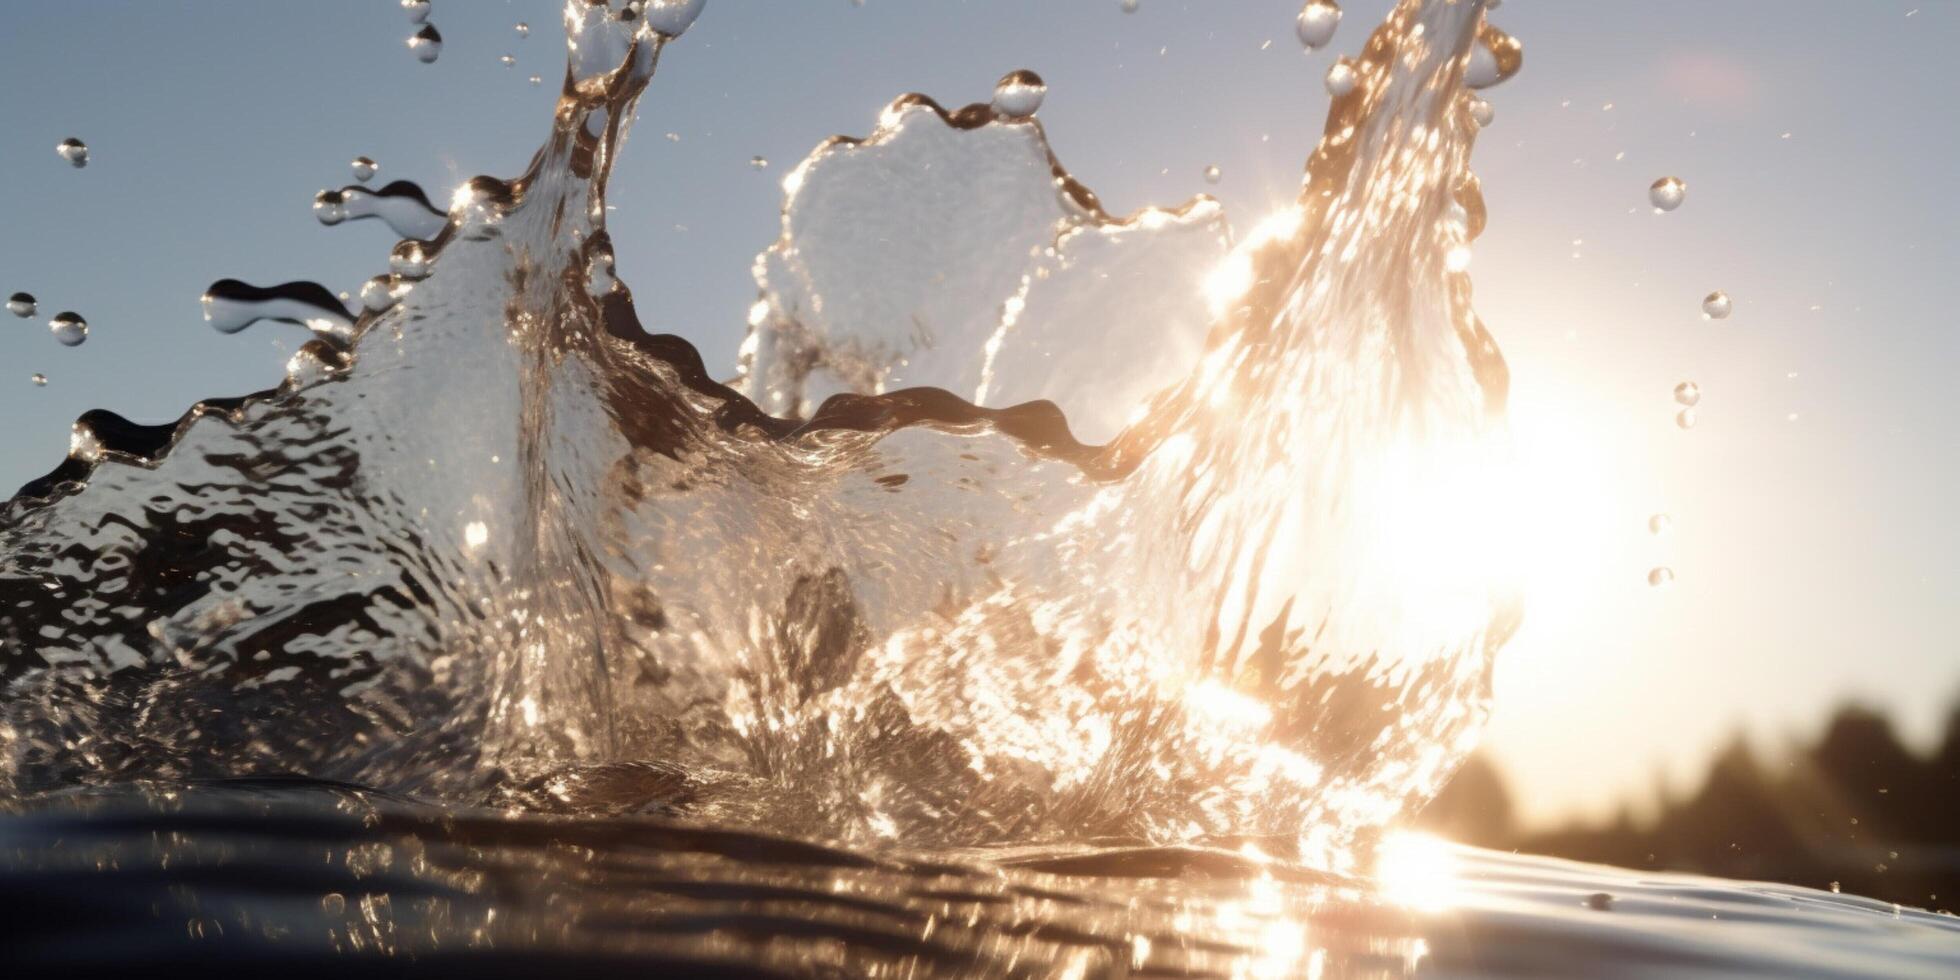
column 1419, row 871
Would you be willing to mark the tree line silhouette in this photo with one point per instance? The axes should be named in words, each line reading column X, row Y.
column 1855, row 809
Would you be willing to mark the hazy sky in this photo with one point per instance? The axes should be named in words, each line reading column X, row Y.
column 1814, row 543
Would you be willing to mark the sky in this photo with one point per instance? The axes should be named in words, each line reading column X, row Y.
column 1813, row 544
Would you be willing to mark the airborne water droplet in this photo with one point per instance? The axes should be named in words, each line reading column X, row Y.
column 1716, row 306
column 759, row 163
column 508, row 60
column 1660, row 524
column 1687, row 393
column 364, row 168
column 1660, row 577
column 522, row 29
column 1667, row 193
column 537, row 79
column 1316, row 23
column 40, row 380
column 426, row 43
column 1018, row 94
column 417, row 10
column 1481, row 111
column 21, row 304
column 1686, row 418
column 74, row 151
column 1212, row 174
column 69, row 328
column 1341, row 78
column 1130, row 6
column 673, row 17
column 330, row 207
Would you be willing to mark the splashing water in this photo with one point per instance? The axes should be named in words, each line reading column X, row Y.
column 1063, row 525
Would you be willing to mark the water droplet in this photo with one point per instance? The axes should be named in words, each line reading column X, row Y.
column 1341, row 78
column 759, row 163
column 417, row 10
column 1686, row 418
column 330, row 207
column 1667, row 193
column 1495, row 57
column 1316, row 23
column 426, row 43
column 1481, row 111
column 1130, row 6
column 1687, row 393
column 333, row 903
column 1018, row 94
column 1716, row 306
column 364, row 168
column 1213, row 174
column 1660, row 524
column 508, row 60
column 21, row 304
column 537, row 79
column 74, row 151
column 69, row 328
column 40, row 380
column 379, row 293
column 522, row 29
column 673, row 17
column 1660, row 576
column 1600, row 901
column 409, row 260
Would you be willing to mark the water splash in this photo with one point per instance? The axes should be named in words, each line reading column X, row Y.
column 492, row 539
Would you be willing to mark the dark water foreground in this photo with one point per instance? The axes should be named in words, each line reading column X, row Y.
column 296, row 876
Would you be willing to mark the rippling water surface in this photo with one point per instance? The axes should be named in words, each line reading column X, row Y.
column 1099, row 586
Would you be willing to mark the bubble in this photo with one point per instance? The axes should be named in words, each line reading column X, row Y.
column 508, row 60
column 69, row 328
column 1130, row 6
column 330, row 207
column 1018, row 94
column 1687, row 393
column 1481, row 111
column 759, row 163
column 333, row 903
column 523, row 30
column 1341, row 78
column 673, row 17
column 1667, row 193
column 426, row 43
column 74, row 151
column 417, row 10
column 1213, row 174
column 1659, row 524
column 1316, row 23
column 1495, row 57
column 1661, row 577
column 1716, row 306
column 364, row 168
column 21, row 304
column 1686, row 418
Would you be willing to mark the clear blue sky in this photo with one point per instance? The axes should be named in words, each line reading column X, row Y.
column 1818, row 557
